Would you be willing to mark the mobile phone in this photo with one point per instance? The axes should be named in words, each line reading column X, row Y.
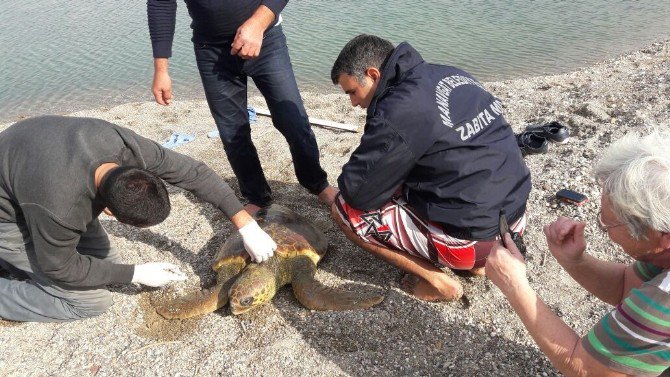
column 571, row 197
column 504, row 228
column 516, row 237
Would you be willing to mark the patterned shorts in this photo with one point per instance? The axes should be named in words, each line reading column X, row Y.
column 396, row 226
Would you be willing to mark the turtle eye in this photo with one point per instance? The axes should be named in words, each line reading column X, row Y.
column 247, row 301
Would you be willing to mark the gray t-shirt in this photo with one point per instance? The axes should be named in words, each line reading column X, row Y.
column 47, row 167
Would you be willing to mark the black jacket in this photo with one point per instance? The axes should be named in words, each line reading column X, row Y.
column 437, row 132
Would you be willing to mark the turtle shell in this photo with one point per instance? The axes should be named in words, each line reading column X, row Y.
column 246, row 286
column 293, row 234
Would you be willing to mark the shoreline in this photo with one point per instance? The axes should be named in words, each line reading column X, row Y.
column 194, row 91
column 479, row 335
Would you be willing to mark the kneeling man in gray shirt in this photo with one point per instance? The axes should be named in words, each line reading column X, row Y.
column 57, row 174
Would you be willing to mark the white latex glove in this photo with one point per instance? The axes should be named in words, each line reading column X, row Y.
column 157, row 274
column 259, row 245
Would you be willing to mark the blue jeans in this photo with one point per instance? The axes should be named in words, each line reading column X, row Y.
column 224, row 78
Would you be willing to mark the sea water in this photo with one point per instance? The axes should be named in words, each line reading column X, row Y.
column 58, row 56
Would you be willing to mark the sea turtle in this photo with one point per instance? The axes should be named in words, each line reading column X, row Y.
column 246, row 285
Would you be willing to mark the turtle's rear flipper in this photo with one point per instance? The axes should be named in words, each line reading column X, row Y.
column 316, row 296
column 196, row 303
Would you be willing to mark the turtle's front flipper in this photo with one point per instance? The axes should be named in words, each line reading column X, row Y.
column 207, row 300
column 195, row 303
column 316, row 296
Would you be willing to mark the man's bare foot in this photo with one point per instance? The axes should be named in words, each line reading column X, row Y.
column 328, row 195
column 479, row 271
column 450, row 289
column 251, row 209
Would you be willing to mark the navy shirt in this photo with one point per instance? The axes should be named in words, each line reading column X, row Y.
column 440, row 134
column 214, row 21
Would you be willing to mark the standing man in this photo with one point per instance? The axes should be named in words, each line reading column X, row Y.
column 437, row 165
column 235, row 39
column 634, row 338
column 57, row 174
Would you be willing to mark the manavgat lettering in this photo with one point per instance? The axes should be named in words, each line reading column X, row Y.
column 443, row 91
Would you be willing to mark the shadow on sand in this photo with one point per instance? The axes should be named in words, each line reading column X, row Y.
column 400, row 336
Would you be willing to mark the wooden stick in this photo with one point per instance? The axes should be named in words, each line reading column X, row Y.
column 318, row 122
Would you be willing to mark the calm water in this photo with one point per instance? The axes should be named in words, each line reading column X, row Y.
column 58, row 56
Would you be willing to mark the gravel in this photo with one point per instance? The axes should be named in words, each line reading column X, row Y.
column 478, row 335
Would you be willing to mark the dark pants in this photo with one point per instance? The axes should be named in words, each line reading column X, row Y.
column 224, row 78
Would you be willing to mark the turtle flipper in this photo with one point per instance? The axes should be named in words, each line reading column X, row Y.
column 207, row 300
column 316, row 296
column 195, row 303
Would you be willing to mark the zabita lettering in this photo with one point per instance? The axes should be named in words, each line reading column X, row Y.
column 481, row 121
column 487, row 116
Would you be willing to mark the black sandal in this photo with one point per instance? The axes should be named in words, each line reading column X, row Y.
column 530, row 143
column 552, row 131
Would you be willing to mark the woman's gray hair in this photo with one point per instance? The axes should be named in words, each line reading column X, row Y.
column 635, row 175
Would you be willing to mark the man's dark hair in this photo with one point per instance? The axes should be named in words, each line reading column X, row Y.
column 359, row 54
column 135, row 196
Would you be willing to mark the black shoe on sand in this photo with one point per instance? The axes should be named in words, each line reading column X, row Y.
column 552, row 131
column 530, row 143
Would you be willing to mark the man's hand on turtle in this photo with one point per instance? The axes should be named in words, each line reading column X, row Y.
column 258, row 244
column 157, row 274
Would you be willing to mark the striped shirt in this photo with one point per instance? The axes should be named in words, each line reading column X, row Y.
column 634, row 338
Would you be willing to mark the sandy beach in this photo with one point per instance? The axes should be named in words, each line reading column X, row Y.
column 478, row 335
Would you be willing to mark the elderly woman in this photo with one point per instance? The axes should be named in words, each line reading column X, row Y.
column 634, row 338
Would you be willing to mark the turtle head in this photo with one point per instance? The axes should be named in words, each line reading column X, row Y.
column 254, row 287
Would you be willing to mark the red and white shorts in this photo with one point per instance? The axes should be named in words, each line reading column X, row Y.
column 396, row 226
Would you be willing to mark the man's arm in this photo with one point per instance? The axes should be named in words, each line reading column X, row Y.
column 191, row 175
column 556, row 339
column 378, row 166
column 507, row 270
column 608, row 281
column 56, row 255
column 161, row 87
column 162, row 17
column 196, row 177
column 276, row 6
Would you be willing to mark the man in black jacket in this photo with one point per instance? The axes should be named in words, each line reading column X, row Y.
column 233, row 40
column 436, row 166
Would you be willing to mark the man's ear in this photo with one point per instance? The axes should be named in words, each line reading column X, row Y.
column 373, row 73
